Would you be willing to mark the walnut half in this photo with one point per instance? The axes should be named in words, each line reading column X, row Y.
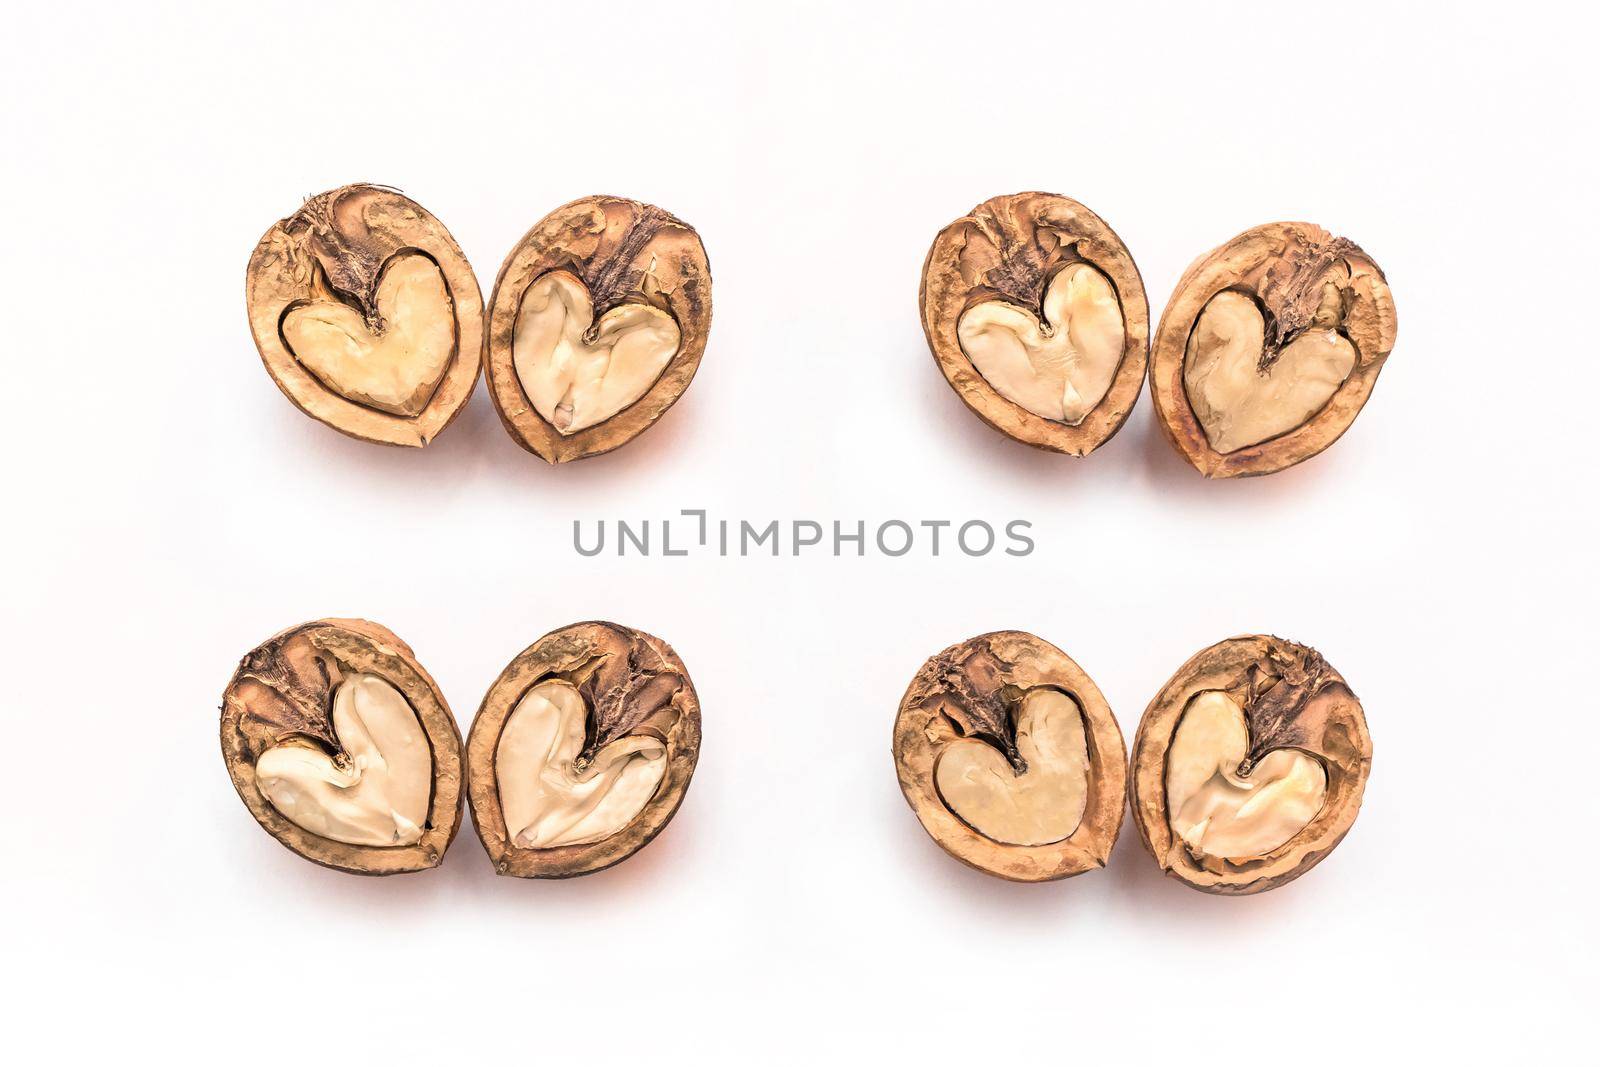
column 582, row 751
column 367, row 315
column 343, row 748
column 596, row 326
column 1011, row 758
column 1249, row 766
column 1268, row 349
column 1036, row 315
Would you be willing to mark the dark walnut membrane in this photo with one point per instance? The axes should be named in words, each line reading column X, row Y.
column 1037, row 316
column 367, row 315
column 1249, row 766
column 582, row 751
column 343, row 748
column 596, row 326
column 1269, row 348
column 1011, row 758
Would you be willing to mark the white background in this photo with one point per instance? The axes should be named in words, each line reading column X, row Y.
column 170, row 509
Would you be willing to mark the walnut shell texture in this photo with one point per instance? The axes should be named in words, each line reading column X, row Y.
column 1009, row 248
column 283, row 691
column 623, row 251
column 633, row 683
column 1283, row 267
column 1292, row 699
column 337, row 246
column 971, row 690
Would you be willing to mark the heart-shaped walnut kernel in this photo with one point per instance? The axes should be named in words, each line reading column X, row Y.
column 343, row 749
column 1218, row 812
column 1036, row 315
column 1249, row 766
column 596, row 326
column 1242, row 399
column 1269, row 348
column 549, row 794
column 367, row 315
column 582, row 751
column 578, row 372
column 1039, row 806
column 1011, row 759
column 1061, row 369
column 395, row 368
column 375, row 792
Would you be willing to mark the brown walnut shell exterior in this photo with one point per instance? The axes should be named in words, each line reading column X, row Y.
column 584, row 653
column 1282, row 266
column 623, row 251
column 350, row 234
column 284, row 688
column 1009, row 248
column 1317, row 714
column 940, row 706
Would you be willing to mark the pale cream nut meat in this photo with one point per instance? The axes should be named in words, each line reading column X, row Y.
column 577, row 377
column 546, row 798
column 1061, row 369
column 378, row 793
column 1237, row 401
column 395, row 369
column 1218, row 813
column 1042, row 805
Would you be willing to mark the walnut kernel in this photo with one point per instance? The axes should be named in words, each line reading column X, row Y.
column 596, row 326
column 1249, row 766
column 344, row 749
column 1036, row 315
column 1268, row 349
column 1011, row 758
column 582, row 751
column 367, row 315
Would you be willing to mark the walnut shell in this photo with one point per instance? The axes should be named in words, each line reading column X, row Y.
column 1292, row 700
column 334, row 252
column 973, row 690
column 633, row 685
column 1009, row 249
column 623, row 252
column 283, row 694
column 1284, row 268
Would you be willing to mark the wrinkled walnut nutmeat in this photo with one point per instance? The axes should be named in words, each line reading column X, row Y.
column 1249, row 766
column 1269, row 348
column 582, row 751
column 1012, row 759
column 1036, row 315
column 343, row 748
column 596, row 326
column 367, row 315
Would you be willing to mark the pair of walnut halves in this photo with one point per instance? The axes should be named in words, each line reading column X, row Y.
column 369, row 318
column 1266, row 352
column 1248, row 767
column 344, row 749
